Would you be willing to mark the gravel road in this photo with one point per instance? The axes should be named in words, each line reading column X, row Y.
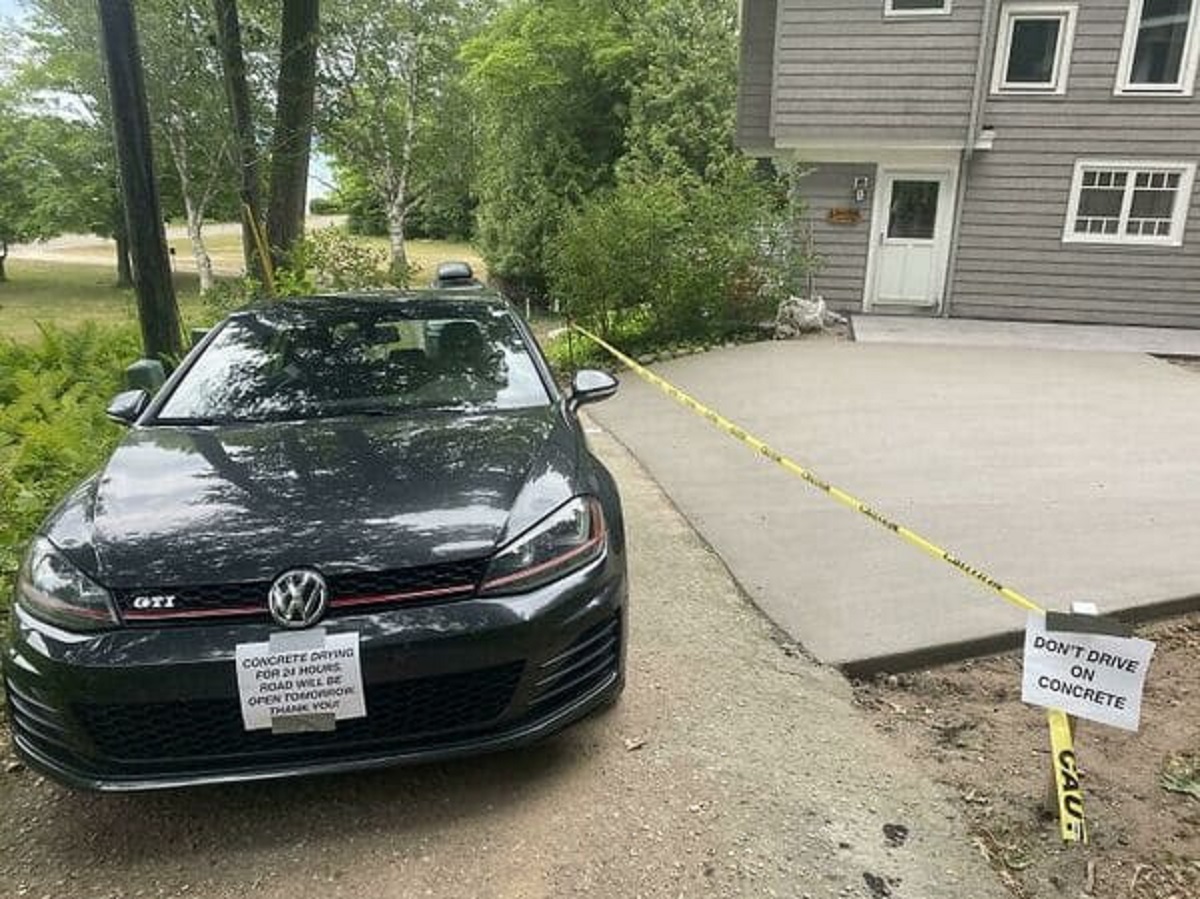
column 733, row 766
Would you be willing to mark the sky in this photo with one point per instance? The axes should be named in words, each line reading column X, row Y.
column 320, row 177
column 10, row 8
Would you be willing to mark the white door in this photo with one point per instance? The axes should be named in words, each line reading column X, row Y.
column 913, row 214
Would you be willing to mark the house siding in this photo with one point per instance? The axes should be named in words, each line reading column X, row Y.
column 755, row 75
column 1012, row 262
column 845, row 71
column 842, row 248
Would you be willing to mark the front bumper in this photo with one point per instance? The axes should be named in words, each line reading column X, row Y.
column 156, row 708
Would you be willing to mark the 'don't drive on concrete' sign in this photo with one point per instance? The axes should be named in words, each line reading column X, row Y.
column 1092, row 676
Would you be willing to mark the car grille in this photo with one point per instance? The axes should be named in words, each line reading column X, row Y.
column 351, row 592
column 585, row 665
column 397, row 713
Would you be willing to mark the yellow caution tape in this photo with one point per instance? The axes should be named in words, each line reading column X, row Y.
column 925, row 545
column 1066, row 779
column 1070, row 797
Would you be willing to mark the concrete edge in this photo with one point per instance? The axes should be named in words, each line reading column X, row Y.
column 950, row 653
column 781, row 638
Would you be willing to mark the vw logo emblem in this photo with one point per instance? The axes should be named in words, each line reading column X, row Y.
column 298, row 598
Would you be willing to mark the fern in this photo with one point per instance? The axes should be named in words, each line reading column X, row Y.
column 53, row 431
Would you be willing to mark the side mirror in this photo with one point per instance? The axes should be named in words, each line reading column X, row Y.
column 146, row 374
column 591, row 386
column 127, row 407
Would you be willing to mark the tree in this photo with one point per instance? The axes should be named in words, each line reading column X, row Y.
column 683, row 90
column 63, row 75
column 158, row 311
column 245, row 144
column 293, row 125
column 187, row 105
column 69, row 182
column 17, row 179
column 550, row 82
column 388, row 70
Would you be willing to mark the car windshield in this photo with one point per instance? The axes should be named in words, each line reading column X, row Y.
column 294, row 363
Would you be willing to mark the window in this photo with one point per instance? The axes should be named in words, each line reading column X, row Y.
column 1129, row 202
column 913, row 215
column 916, row 7
column 1160, row 50
column 1033, row 51
column 327, row 360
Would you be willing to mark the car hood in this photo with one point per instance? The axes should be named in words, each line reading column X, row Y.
column 192, row 506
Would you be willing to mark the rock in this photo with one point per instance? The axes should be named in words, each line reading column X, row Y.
column 797, row 317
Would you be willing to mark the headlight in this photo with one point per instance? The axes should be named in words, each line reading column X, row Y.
column 51, row 588
column 564, row 541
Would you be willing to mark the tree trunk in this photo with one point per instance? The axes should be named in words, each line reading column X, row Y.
column 193, row 208
column 195, row 226
column 3, row 259
column 293, row 125
column 245, row 148
column 397, row 215
column 124, row 269
column 158, row 311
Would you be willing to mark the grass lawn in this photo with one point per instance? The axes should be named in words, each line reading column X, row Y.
column 225, row 248
column 69, row 295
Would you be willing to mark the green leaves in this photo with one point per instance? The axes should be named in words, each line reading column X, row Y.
column 670, row 259
column 549, row 83
column 53, row 430
column 576, row 95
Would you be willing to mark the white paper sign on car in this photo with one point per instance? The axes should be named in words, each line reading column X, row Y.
column 1091, row 676
column 319, row 678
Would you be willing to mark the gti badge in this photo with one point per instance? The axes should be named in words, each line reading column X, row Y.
column 298, row 598
column 141, row 603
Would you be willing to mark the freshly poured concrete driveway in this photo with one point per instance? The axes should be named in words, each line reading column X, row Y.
column 1066, row 475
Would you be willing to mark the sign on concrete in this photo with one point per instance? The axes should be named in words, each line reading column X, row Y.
column 1093, row 676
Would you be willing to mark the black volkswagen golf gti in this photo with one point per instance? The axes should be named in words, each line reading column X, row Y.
column 347, row 532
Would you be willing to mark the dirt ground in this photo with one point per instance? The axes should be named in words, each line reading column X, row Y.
column 967, row 723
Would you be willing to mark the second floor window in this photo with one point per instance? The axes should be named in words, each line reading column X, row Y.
column 916, row 7
column 1033, row 50
column 1160, row 50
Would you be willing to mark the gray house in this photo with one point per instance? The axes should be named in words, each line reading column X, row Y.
column 1026, row 159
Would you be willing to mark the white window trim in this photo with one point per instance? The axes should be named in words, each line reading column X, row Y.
column 1009, row 16
column 889, row 12
column 1183, row 205
column 1186, row 86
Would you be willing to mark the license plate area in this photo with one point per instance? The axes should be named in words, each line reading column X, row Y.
column 300, row 682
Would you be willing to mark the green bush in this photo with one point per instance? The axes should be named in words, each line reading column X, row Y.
column 653, row 263
column 328, row 260
column 331, row 205
column 335, row 260
column 53, row 431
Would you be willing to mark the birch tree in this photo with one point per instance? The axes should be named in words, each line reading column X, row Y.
column 183, row 85
column 183, row 82
column 388, row 71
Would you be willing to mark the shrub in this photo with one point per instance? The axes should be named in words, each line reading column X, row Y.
column 331, row 205
column 334, row 260
column 328, row 260
column 53, row 430
column 672, row 260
